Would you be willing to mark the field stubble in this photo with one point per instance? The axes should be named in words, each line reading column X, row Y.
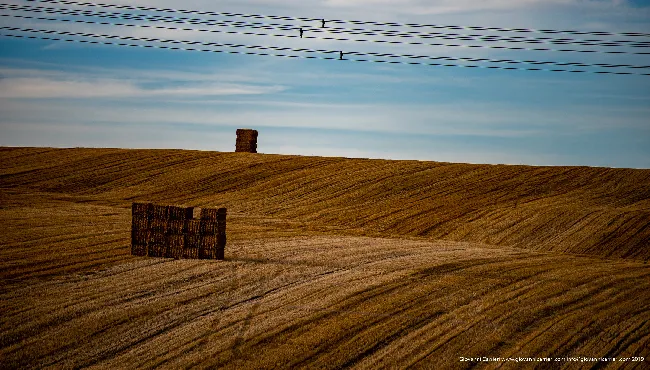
column 330, row 262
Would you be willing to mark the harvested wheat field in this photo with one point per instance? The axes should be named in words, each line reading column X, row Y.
column 330, row 263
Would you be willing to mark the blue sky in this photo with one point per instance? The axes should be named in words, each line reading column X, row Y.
column 68, row 95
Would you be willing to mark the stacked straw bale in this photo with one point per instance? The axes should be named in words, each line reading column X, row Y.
column 221, row 233
column 176, row 228
column 157, row 235
column 208, row 233
column 246, row 141
column 192, row 239
column 169, row 231
column 140, row 226
column 213, row 233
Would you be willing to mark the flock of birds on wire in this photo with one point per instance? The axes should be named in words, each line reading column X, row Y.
column 328, row 29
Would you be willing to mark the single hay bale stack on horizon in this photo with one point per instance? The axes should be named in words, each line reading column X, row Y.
column 246, row 141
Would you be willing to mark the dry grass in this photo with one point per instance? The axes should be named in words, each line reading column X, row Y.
column 330, row 262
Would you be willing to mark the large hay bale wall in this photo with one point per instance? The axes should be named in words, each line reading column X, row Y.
column 246, row 141
column 169, row 231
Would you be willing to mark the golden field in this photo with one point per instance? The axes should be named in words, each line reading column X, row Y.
column 330, row 263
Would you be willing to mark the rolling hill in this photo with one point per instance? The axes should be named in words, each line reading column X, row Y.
column 330, row 263
column 596, row 211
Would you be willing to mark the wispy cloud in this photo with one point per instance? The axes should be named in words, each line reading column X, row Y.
column 443, row 6
column 76, row 86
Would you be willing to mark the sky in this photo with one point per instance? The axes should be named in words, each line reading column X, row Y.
column 71, row 94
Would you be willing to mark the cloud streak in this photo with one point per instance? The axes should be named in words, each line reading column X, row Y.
column 78, row 86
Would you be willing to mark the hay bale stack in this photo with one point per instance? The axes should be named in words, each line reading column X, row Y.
column 246, row 141
column 140, row 225
column 221, row 234
column 157, row 243
column 175, row 239
column 208, row 250
column 192, row 239
column 180, row 213
column 209, row 214
column 213, row 229
column 169, row 231
column 221, row 221
column 175, row 246
column 156, row 247
column 175, row 230
column 208, row 221
column 208, row 231
column 175, row 227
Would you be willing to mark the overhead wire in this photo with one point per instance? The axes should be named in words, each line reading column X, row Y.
column 92, row 35
column 339, row 21
column 283, row 27
column 350, row 31
column 508, row 61
column 293, row 28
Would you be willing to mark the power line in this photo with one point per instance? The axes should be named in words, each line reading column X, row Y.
column 339, row 21
column 221, row 23
column 270, row 48
column 350, row 31
column 508, row 61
